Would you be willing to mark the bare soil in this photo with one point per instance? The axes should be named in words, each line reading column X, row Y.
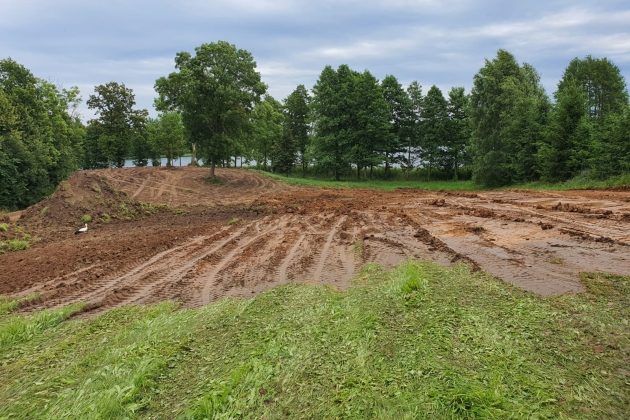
column 163, row 234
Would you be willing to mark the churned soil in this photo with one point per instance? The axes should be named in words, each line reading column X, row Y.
column 159, row 234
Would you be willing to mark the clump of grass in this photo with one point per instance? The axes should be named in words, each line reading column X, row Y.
column 12, row 245
column 8, row 305
column 358, row 248
column 106, row 218
column 556, row 260
column 233, row 221
column 4, row 227
column 86, row 218
column 410, row 277
column 44, row 211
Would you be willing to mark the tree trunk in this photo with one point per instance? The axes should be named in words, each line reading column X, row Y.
column 193, row 159
column 358, row 172
column 212, row 165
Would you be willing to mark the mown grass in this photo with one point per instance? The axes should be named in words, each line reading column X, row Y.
column 574, row 184
column 420, row 341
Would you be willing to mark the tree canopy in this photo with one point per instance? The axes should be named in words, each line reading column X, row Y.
column 215, row 90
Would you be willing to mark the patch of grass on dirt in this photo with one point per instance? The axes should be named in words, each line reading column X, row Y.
column 12, row 245
column 233, row 221
column 358, row 247
column 420, row 341
column 86, row 218
column 4, row 227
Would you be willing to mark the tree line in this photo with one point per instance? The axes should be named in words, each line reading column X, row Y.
column 215, row 105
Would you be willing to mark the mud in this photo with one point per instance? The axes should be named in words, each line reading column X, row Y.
column 184, row 238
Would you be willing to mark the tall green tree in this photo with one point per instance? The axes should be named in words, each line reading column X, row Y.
column 331, row 96
column 458, row 130
column 564, row 150
column 508, row 111
column 435, row 127
column 296, row 108
column 612, row 146
column 167, row 136
column 117, row 123
column 400, row 117
column 602, row 84
column 414, row 91
column 267, row 132
column 370, row 134
column 215, row 90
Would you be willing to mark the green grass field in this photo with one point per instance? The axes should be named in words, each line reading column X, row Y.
column 420, row 341
column 615, row 182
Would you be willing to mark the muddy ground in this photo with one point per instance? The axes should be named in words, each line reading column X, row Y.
column 170, row 234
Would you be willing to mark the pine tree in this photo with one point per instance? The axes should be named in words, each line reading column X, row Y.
column 435, row 128
column 400, row 118
column 458, row 129
column 296, row 109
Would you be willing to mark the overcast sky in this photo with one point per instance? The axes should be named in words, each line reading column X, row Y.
column 86, row 42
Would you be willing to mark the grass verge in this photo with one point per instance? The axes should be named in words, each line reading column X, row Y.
column 420, row 341
column 622, row 181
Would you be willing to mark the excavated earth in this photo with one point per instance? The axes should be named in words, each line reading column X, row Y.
column 159, row 234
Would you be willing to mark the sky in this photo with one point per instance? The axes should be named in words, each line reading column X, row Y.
column 86, row 42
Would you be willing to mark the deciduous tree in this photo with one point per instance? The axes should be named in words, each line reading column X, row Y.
column 215, row 90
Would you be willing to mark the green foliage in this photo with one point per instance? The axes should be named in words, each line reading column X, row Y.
column 352, row 120
column 4, row 227
column 508, row 111
column 421, row 341
column 267, row 135
column 297, row 119
column 86, row 218
column 118, row 128
column 167, row 137
column 458, row 130
column 215, row 91
column 601, row 83
column 565, row 150
column 41, row 138
column 401, row 117
column 331, row 110
column 612, row 145
column 435, row 126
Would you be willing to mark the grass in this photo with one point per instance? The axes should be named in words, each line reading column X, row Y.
column 86, row 218
column 577, row 183
column 12, row 245
column 421, row 341
column 4, row 227
column 375, row 184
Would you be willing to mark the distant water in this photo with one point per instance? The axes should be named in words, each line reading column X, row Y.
column 184, row 161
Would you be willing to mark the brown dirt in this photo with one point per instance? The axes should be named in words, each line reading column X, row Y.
column 197, row 241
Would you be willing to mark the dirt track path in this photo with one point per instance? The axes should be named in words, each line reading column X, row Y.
column 537, row 241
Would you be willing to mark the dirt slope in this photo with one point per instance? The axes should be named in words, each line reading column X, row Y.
column 197, row 241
